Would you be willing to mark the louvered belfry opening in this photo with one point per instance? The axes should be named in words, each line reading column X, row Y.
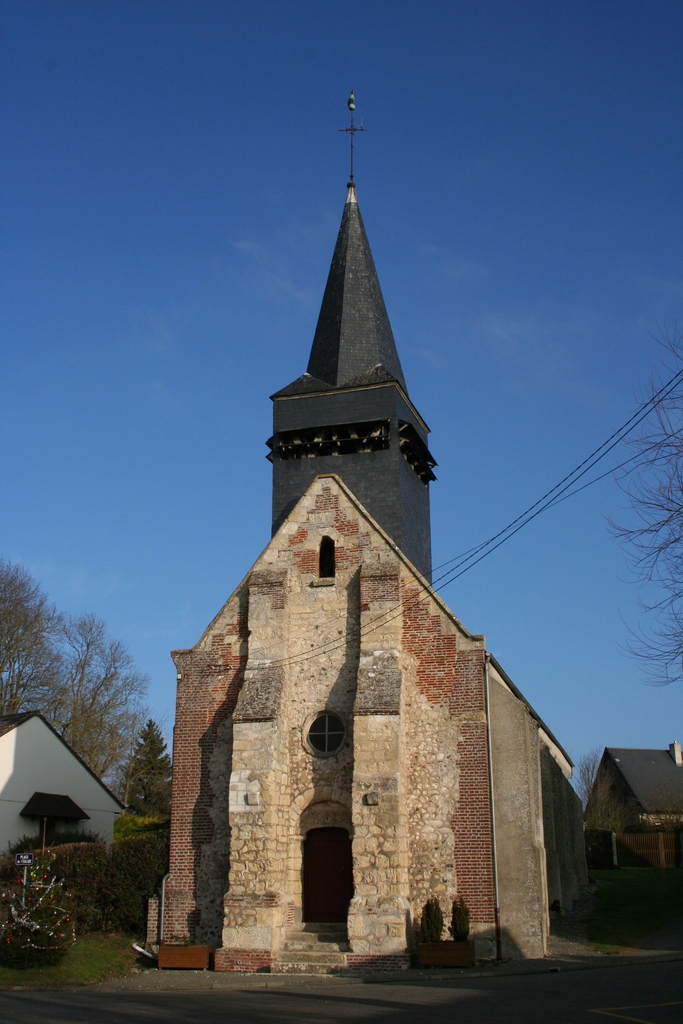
column 350, row 413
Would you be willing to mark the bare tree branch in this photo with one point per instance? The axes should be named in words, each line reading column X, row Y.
column 30, row 662
column 96, row 706
column 654, row 542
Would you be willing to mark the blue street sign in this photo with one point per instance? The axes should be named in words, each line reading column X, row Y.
column 23, row 860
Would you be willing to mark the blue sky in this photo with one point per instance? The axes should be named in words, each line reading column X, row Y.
column 172, row 182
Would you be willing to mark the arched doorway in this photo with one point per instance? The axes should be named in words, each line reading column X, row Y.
column 328, row 875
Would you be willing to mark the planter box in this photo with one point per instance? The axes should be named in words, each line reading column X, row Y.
column 446, row 954
column 189, row 958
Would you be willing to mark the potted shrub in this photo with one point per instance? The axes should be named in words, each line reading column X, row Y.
column 432, row 951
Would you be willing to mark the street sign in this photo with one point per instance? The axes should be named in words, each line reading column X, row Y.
column 23, row 860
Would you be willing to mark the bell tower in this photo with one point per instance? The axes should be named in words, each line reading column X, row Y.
column 350, row 413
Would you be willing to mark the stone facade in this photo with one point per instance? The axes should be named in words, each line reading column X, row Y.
column 421, row 708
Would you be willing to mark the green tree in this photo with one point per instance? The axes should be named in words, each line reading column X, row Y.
column 38, row 927
column 148, row 788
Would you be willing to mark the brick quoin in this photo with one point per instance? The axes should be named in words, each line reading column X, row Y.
column 243, row 961
column 208, row 688
column 454, row 677
column 378, row 588
column 380, row 962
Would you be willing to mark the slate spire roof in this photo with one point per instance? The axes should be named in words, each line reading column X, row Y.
column 353, row 338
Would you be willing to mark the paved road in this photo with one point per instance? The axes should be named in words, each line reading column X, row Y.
column 651, row 993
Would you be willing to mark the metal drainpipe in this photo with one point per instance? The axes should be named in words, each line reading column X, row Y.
column 163, row 906
column 496, row 901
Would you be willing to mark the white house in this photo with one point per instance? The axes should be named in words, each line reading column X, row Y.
column 44, row 783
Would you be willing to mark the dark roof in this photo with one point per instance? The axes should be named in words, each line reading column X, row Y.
column 377, row 375
column 9, row 722
column 302, row 386
column 306, row 384
column 652, row 775
column 353, row 333
column 53, row 805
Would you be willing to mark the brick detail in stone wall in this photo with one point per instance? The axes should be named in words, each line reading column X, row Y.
column 436, row 652
column 379, row 583
column 454, row 677
column 243, row 961
column 472, row 824
column 360, row 962
column 270, row 583
column 209, row 682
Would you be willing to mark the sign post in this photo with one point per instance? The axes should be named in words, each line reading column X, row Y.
column 25, row 861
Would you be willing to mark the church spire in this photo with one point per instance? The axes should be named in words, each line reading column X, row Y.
column 353, row 337
column 350, row 413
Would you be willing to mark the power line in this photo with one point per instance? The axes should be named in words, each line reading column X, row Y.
column 467, row 560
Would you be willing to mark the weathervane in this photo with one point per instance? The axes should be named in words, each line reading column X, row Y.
column 352, row 129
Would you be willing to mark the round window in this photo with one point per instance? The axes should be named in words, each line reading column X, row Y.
column 326, row 734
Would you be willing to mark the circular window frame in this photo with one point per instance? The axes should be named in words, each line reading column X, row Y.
column 308, row 747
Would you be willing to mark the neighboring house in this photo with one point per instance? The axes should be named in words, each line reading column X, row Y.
column 337, row 728
column 640, row 788
column 44, row 784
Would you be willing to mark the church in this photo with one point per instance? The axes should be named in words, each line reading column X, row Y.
column 344, row 748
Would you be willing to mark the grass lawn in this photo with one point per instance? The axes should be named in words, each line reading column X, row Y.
column 637, row 901
column 95, row 957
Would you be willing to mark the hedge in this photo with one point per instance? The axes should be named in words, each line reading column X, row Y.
column 598, row 848
column 110, row 885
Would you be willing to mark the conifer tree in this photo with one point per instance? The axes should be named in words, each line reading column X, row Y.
column 38, row 924
column 149, row 785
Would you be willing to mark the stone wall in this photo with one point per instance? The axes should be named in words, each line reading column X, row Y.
column 520, row 851
column 410, row 782
column 563, row 834
column 209, row 679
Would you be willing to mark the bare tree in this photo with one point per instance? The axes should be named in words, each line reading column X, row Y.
column 586, row 770
column 83, row 680
column 604, row 810
column 97, row 704
column 30, row 661
column 654, row 542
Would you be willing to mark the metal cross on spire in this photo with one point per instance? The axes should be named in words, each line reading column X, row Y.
column 352, row 129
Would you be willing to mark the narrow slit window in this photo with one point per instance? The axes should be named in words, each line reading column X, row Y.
column 326, row 560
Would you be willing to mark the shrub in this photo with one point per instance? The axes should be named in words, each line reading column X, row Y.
column 110, row 886
column 460, row 921
column 432, row 921
column 598, row 848
column 66, row 838
column 127, row 825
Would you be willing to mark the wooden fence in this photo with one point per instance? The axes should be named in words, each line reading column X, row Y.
column 649, row 850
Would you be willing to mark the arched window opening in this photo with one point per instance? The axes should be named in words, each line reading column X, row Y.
column 326, row 560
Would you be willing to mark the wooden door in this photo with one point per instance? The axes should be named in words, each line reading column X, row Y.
column 328, row 875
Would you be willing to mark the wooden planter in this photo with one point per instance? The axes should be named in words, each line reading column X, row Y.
column 189, row 958
column 446, row 954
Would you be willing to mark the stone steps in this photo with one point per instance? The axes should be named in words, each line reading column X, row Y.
column 313, row 949
column 304, row 945
column 308, row 963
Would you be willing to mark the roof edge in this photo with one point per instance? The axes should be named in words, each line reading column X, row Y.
column 534, row 714
column 39, row 714
column 278, row 397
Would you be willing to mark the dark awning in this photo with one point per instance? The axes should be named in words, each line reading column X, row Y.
column 53, row 805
